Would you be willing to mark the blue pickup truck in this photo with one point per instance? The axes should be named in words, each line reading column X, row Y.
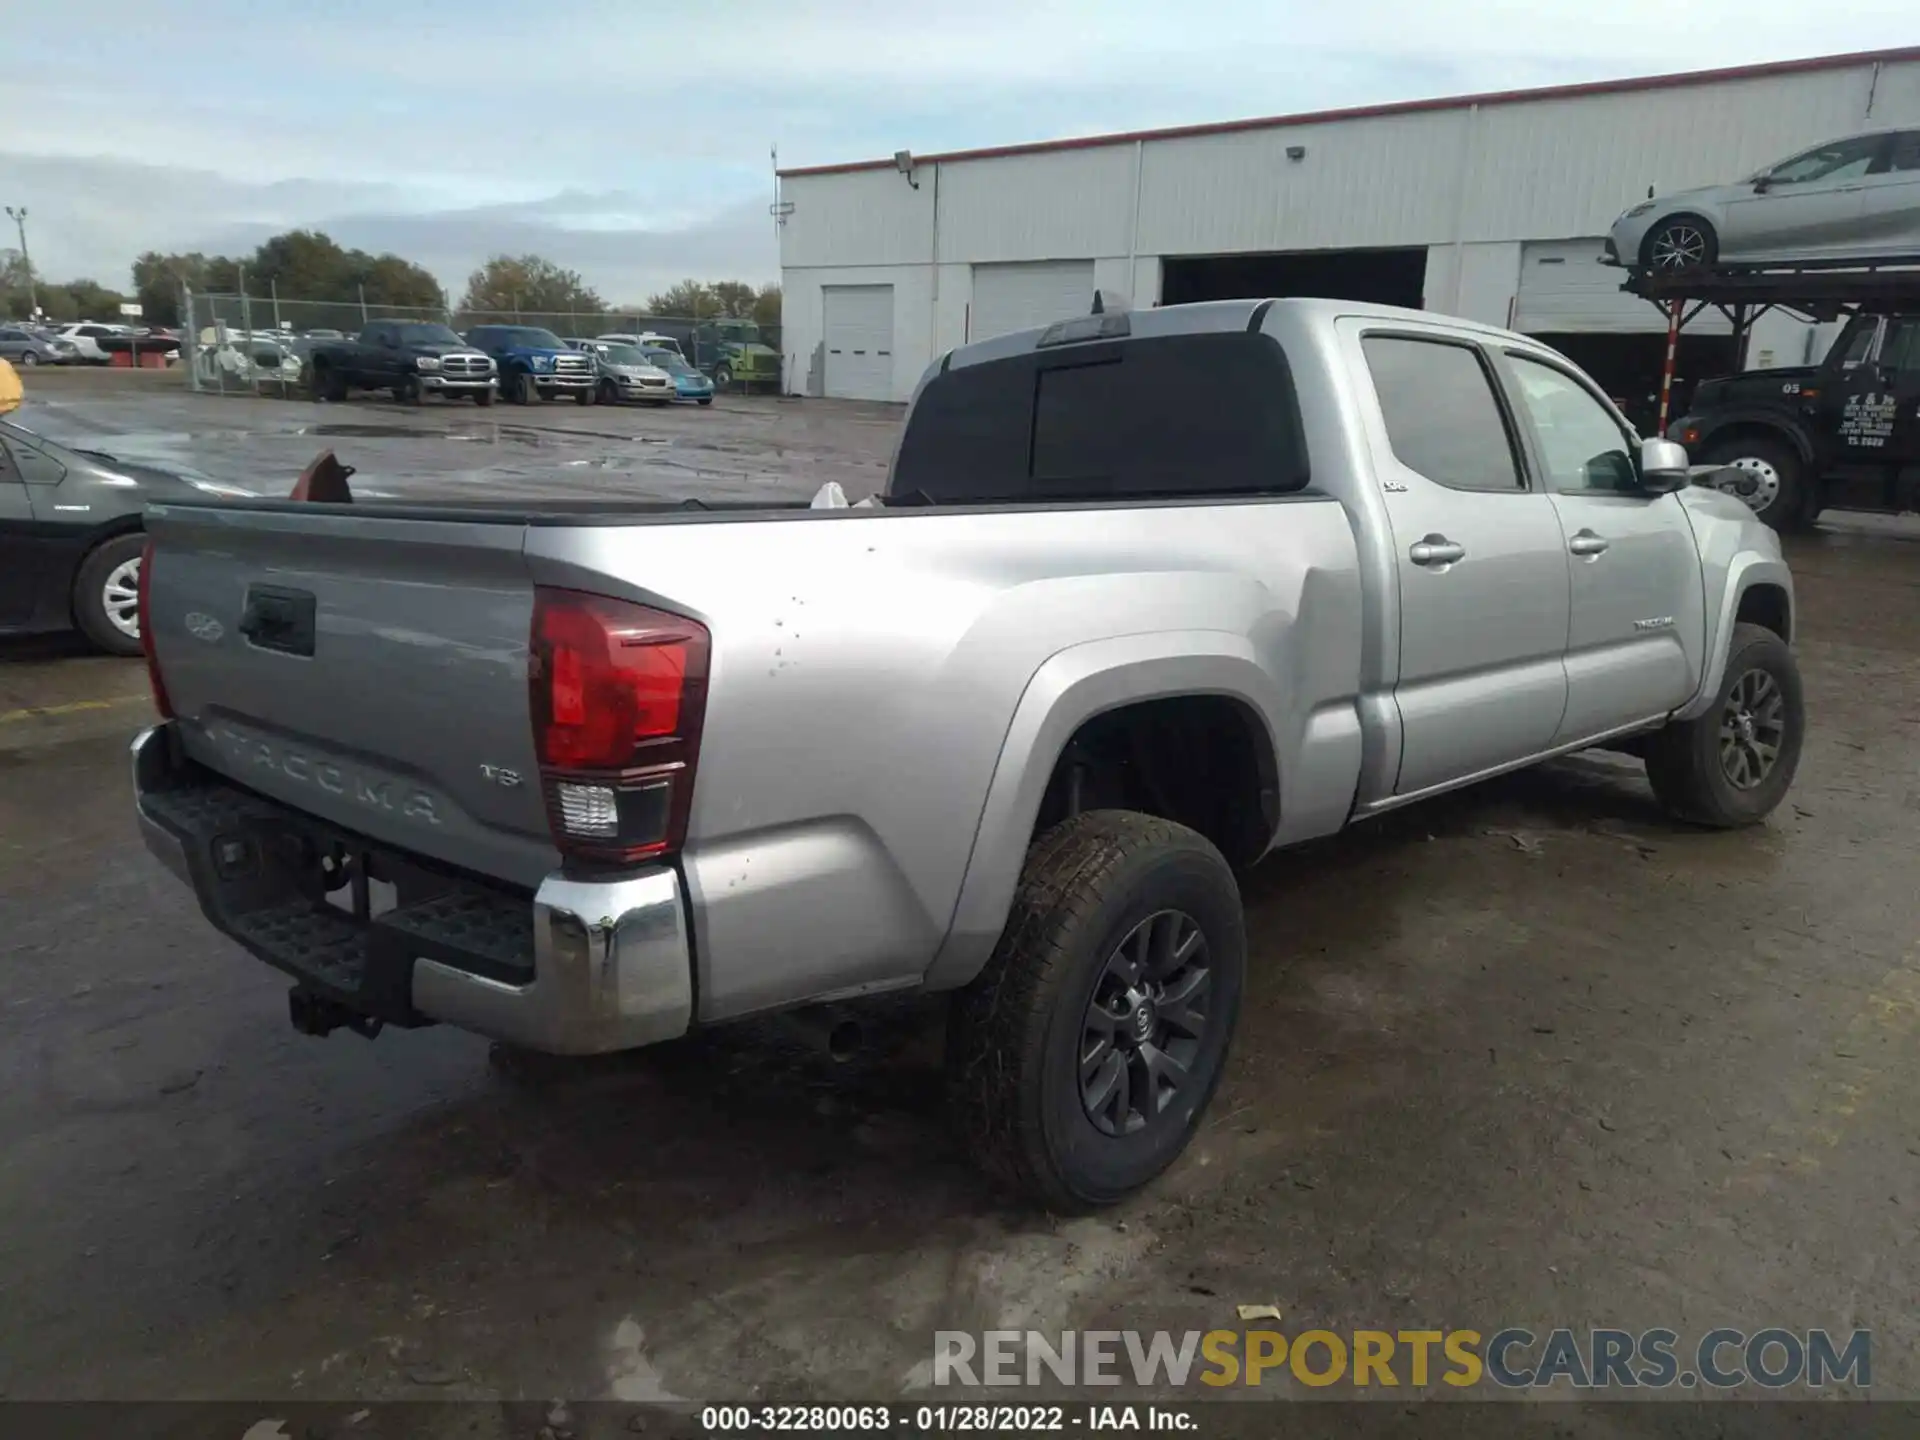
column 534, row 362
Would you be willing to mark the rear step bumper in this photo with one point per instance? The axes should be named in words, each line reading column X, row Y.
column 579, row 967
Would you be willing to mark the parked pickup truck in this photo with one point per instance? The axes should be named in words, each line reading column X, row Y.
column 410, row 358
column 535, row 362
column 1147, row 595
column 1844, row 433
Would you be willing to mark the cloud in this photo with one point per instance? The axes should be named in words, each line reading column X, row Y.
column 91, row 215
column 633, row 143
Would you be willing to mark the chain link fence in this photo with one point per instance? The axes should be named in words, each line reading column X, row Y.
column 259, row 344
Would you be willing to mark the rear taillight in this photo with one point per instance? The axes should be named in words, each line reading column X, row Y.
column 155, row 681
column 618, row 692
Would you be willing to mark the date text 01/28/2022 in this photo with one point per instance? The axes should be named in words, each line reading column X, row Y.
column 940, row 1419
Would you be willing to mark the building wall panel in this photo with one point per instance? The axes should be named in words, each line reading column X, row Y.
column 866, row 217
column 1391, row 181
column 1069, row 205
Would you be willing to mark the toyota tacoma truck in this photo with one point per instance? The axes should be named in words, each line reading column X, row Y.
column 1845, row 432
column 1147, row 595
column 410, row 358
column 536, row 363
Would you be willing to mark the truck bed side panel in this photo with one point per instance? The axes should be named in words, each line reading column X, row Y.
column 866, row 671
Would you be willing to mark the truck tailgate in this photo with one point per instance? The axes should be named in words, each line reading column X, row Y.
column 368, row 670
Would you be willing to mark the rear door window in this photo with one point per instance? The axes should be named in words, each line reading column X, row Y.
column 1159, row 416
column 1442, row 419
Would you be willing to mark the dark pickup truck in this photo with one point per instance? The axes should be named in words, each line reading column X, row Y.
column 1844, row 433
column 410, row 358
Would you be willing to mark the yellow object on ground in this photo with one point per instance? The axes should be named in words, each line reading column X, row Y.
column 9, row 388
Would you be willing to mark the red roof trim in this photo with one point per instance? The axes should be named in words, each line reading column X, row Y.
column 1398, row 107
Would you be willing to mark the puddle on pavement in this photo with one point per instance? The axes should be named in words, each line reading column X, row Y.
column 370, row 432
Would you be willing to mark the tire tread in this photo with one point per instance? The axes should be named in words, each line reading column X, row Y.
column 998, row 1036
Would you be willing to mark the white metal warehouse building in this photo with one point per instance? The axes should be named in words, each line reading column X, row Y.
column 1486, row 206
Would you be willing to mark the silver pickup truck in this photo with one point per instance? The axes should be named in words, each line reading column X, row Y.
column 1147, row 596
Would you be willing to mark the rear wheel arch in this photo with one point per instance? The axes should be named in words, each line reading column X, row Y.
column 1074, row 689
column 1205, row 761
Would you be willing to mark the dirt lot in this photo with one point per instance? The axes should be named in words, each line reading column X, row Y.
column 1527, row 1056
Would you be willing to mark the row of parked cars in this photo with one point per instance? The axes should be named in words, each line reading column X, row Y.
column 85, row 342
column 413, row 359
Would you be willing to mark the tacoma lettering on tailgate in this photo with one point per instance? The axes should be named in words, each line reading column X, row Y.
column 327, row 775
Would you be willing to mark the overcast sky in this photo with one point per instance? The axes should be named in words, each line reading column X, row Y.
column 630, row 140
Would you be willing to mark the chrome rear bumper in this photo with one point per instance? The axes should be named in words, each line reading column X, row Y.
column 580, row 967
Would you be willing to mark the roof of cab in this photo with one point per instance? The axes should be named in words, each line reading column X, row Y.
column 1219, row 315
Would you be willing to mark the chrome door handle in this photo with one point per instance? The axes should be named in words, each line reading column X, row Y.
column 1436, row 550
column 1587, row 543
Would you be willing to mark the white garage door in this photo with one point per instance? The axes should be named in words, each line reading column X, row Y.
column 1564, row 289
column 858, row 327
column 1018, row 297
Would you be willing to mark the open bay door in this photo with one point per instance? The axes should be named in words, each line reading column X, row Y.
column 1022, row 296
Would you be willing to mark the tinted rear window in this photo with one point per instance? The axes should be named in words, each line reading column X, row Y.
column 1170, row 415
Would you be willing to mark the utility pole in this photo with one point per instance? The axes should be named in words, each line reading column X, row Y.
column 19, row 218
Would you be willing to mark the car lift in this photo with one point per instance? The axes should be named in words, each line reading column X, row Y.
column 1816, row 293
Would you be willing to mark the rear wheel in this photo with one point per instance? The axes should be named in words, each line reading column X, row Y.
column 1082, row 1057
column 1733, row 765
column 1680, row 242
column 29, row 359
column 1780, row 477
column 106, row 595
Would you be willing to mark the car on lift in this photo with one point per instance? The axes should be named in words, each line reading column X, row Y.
column 1843, row 433
column 1851, row 199
column 71, row 534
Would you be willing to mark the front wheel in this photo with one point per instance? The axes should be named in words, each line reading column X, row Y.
column 722, row 377
column 1734, row 764
column 519, row 391
column 705, row 400
column 483, row 398
column 608, row 395
column 584, row 397
column 28, row 359
column 1779, row 474
column 1680, row 242
column 106, row 595
column 1082, row 1057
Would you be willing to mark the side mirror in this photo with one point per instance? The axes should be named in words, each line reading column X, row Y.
column 1663, row 467
column 1762, row 185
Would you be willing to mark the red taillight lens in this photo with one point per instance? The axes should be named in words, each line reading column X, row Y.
column 618, row 692
column 155, row 681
